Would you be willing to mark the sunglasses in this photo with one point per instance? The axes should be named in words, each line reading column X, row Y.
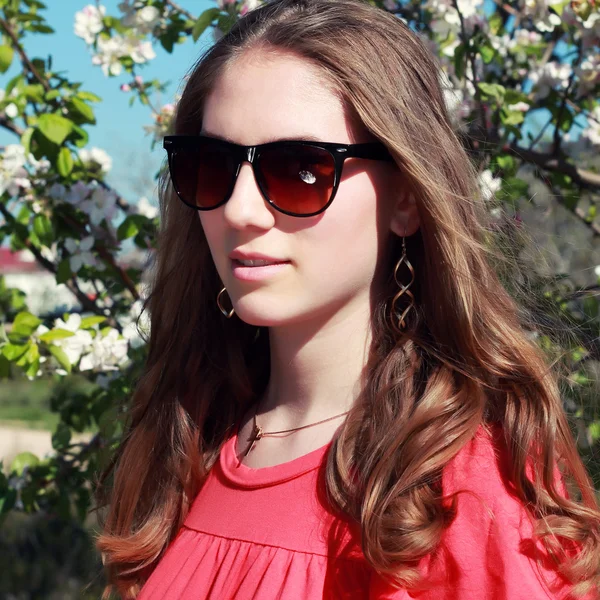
column 297, row 178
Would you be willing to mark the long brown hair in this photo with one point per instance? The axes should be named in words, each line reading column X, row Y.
column 464, row 360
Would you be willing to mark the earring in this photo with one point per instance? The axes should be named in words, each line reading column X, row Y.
column 398, row 322
column 227, row 313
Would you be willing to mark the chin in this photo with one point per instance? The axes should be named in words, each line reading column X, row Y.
column 263, row 313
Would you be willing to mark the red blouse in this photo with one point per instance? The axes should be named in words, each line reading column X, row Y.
column 262, row 534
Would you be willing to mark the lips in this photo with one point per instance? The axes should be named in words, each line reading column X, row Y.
column 257, row 262
column 254, row 259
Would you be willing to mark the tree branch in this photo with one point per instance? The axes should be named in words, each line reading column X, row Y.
column 24, row 58
column 8, row 124
column 586, row 179
column 181, row 10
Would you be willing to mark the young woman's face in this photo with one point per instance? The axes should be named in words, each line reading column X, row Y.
column 330, row 258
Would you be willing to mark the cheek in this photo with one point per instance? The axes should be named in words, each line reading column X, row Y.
column 345, row 245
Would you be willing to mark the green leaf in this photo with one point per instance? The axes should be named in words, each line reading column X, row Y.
column 8, row 501
column 493, row 90
column 204, row 21
column 26, row 139
column 79, row 136
column 54, row 127
column 14, row 351
column 52, row 95
column 64, row 162
column 85, row 111
column 63, row 273
column 43, row 228
column 128, row 228
column 34, row 92
column 487, row 53
column 226, row 22
column 55, row 334
column 88, row 96
column 61, row 437
column 89, row 322
column 23, row 460
column 4, row 367
column 61, row 357
column 26, row 323
column 6, row 56
column 511, row 117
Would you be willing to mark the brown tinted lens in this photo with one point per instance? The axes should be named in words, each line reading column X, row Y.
column 203, row 175
column 297, row 179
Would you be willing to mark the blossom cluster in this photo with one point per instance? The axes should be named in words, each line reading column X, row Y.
column 91, row 349
column 530, row 73
column 92, row 198
column 15, row 178
column 162, row 122
column 138, row 21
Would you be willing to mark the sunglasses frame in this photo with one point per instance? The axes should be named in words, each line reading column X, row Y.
column 340, row 152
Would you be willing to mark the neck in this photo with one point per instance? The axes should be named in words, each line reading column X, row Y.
column 316, row 367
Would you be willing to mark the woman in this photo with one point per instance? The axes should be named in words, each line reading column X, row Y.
column 339, row 399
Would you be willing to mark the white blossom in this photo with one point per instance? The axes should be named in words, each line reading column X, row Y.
column 96, row 156
column 11, row 110
column 144, row 208
column 111, row 50
column 13, row 175
column 162, row 122
column 80, row 253
column 489, row 184
column 519, row 106
column 88, row 22
column 107, row 353
column 551, row 75
column 77, row 193
column 77, row 344
column 132, row 321
column 102, row 204
column 109, row 53
column 143, row 20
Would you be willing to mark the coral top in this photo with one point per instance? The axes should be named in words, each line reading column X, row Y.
column 262, row 534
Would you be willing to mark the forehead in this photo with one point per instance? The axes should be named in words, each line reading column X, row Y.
column 264, row 96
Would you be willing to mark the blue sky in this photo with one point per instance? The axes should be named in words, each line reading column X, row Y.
column 119, row 128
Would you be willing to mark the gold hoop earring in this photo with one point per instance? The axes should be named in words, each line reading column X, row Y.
column 227, row 313
column 398, row 322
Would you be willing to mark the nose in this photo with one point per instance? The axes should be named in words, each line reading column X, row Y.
column 247, row 209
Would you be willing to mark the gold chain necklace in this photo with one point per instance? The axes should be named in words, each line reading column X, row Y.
column 258, row 432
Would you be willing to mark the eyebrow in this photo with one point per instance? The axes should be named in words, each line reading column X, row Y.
column 301, row 138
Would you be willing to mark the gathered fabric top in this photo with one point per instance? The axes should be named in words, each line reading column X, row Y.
column 269, row 533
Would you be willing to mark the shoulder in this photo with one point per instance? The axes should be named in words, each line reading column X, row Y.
column 489, row 548
column 481, row 468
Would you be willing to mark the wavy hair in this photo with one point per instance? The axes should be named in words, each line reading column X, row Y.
column 465, row 359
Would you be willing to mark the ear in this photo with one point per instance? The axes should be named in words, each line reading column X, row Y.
column 405, row 217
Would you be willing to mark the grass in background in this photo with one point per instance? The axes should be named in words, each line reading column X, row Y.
column 25, row 403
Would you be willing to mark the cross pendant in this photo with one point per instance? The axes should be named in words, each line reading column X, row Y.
column 257, row 433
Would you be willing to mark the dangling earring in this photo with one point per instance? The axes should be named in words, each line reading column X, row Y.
column 398, row 322
column 227, row 313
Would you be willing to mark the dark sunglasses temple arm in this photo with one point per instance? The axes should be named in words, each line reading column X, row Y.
column 374, row 151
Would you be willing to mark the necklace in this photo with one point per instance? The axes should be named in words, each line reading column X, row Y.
column 258, row 432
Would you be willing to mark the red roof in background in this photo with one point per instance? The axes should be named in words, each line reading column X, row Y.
column 16, row 263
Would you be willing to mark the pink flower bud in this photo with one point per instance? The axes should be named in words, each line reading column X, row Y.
column 125, row 87
column 138, row 79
